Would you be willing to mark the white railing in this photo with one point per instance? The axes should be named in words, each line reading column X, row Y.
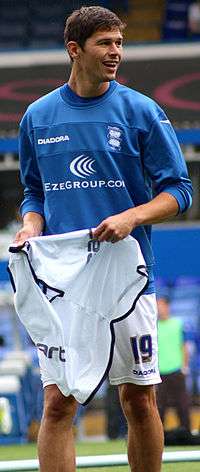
column 100, row 461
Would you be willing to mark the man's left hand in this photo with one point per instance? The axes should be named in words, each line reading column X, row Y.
column 114, row 228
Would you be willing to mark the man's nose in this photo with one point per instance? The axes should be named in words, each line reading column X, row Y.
column 113, row 49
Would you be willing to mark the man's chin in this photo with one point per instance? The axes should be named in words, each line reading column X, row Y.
column 109, row 78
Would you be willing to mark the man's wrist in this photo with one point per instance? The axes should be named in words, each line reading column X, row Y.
column 136, row 216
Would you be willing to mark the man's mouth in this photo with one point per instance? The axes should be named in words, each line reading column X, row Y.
column 111, row 65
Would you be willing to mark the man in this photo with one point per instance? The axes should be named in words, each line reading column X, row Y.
column 194, row 20
column 173, row 363
column 90, row 151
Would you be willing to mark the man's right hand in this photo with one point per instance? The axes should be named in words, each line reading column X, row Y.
column 33, row 224
column 23, row 234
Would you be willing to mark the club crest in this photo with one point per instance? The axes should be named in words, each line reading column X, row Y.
column 114, row 137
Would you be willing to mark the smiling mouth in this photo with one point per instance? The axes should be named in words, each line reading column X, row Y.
column 111, row 65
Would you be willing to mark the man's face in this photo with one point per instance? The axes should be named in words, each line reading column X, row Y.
column 101, row 55
column 163, row 309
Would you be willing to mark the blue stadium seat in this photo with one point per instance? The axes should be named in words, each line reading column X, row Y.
column 7, row 329
column 12, row 35
column 185, row 306
column 16, row 428
column 175, row 23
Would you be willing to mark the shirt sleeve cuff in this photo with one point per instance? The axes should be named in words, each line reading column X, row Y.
column 30, row 206
column 184, row 200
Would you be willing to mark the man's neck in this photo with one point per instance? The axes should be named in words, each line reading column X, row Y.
column 84, row 88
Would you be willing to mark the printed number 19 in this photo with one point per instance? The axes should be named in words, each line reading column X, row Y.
column 143, row 345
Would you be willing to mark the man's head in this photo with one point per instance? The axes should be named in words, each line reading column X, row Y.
column 93, row 37
column 83, row 23
column 163, row 307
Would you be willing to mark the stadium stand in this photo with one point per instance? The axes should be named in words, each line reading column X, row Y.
column 13, row 420
column 175, row 25
column 37, row 24
column 13, row 24
column 144, row 21
column 21, row 395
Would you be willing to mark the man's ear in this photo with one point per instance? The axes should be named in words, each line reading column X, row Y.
column 73, row 49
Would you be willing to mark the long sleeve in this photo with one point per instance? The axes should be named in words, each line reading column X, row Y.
column 165, row 164
column 30, row 176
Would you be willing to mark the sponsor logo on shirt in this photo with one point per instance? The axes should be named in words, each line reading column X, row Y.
column 93, row 184
column 81, row 166
column 53, row 139
column 114, row 137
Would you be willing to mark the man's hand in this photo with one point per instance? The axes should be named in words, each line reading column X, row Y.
column 114, row 228
column 32, row 226
column 23, row 234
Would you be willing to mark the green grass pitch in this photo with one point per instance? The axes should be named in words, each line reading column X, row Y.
column 28, row 451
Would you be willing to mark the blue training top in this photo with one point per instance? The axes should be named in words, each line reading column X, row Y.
column 83, row 160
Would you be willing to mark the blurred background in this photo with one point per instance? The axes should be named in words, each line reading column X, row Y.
column 162, row 60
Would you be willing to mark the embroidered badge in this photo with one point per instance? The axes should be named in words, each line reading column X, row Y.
column 114, row 137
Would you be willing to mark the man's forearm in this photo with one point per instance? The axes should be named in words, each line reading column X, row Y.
column 160, row 208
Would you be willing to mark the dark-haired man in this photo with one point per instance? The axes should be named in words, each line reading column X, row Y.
column 90, row 151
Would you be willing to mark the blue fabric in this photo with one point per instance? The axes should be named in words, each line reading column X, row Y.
column 71, row 96
column 83, row 160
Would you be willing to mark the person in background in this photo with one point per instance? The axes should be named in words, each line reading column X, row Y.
column 194, row 20
column 3, row 348
column 173, row 364
column 116, row 425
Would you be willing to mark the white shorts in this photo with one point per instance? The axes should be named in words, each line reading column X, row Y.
column 135, row 357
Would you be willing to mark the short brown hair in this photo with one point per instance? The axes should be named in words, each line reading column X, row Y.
column 82, row 23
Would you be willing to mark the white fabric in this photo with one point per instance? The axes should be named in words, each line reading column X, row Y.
column 140, row 325
column 96, row 284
